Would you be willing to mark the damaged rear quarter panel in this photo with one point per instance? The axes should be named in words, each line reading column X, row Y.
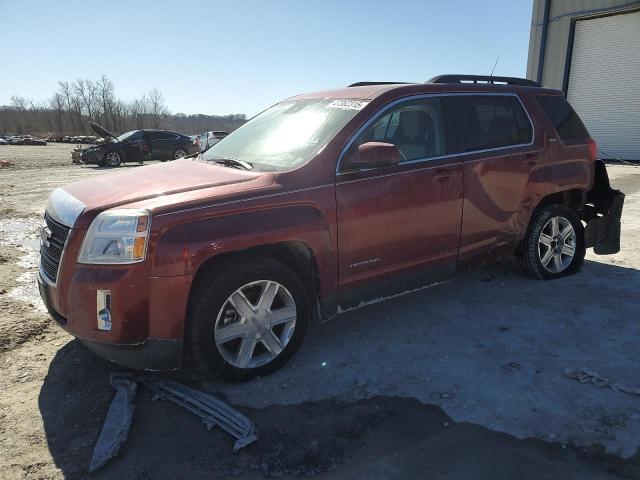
column 552, row 177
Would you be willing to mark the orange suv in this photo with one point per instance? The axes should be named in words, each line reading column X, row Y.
column 323, row 202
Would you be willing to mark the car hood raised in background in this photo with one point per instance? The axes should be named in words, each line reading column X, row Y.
column 100, row 130
column 179, row 176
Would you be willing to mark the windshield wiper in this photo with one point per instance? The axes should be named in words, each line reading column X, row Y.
column 234, row 162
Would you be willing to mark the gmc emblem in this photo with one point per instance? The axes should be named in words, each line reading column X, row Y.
column 45, row 235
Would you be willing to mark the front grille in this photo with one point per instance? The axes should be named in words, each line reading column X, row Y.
column 50, row 255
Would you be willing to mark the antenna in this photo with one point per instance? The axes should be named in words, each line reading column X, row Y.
column 492, row 70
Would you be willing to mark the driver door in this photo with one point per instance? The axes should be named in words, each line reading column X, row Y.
column 133, row 147
column 399, row 226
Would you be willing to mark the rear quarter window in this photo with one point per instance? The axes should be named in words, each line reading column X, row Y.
column 483, row 122
column 564, row 119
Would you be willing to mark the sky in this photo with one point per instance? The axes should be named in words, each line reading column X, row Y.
column 239, row 56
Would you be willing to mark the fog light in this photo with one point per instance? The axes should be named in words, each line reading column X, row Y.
column 103, row 308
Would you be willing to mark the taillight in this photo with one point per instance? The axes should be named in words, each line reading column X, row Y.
column 593, row 148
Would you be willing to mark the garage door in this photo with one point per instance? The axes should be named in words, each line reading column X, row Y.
column 604, row 82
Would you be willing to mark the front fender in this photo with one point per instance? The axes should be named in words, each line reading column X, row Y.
column 188, row 240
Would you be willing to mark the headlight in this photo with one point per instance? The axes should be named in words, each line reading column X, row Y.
column 116, row 236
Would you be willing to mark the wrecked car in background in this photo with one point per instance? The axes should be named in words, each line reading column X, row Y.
column 137, row 145
column 209, row 139
column 324, row 202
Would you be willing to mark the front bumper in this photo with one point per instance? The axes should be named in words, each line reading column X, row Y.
column 90, row 158
column 153, row 354
column 147, row 354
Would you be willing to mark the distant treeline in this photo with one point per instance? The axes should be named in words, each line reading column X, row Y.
column 75, row 104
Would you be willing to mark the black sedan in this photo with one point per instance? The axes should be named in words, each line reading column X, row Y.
column 136, row 146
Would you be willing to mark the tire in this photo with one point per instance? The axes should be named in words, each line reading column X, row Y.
column 213, row 318
column 179, row 153
column 546, row 249
column 112, row 158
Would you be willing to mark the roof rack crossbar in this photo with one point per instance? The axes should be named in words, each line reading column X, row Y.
column 364, row 84
column 491, row 79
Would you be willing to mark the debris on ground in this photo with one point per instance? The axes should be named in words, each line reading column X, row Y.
column 75, row 154
column 120, row 415
column 586, row 375
column 209, row 408
column 511, row 366
column 116, row 426
column 5, row 163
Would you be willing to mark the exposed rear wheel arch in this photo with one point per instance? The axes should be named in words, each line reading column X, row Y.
column 573, row 199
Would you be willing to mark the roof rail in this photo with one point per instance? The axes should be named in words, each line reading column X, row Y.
column 490, row 79
column 364, row 84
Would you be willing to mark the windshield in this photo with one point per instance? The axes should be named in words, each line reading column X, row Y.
column 287, row 135
column 124, row 136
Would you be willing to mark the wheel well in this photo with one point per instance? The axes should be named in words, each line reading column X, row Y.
column 295, row 254
column 571, row 198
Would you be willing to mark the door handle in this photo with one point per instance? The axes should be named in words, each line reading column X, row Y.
column 443, row 174
column 531, row 158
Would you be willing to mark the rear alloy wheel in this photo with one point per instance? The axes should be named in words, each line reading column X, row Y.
column 554, row 246
column 179, row 153
column 248, row 318
column 112, row 159
column 557, row 244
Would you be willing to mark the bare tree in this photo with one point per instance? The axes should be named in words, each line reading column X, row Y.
column 86, row 94
column 57, row 104
column 74, row 104
column 107, row 99
column 158, row 112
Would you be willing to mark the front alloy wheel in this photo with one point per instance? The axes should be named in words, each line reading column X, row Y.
column 255, row 324
column 247, row 316
column 113, row 159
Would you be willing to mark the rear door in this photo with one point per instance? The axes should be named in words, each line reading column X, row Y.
column 163, row 144
column 398, row 226
column 492, row 135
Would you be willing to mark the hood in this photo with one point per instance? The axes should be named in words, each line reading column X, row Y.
column 100, row 130
column 164, row 179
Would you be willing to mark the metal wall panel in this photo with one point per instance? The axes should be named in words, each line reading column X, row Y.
column 604, row 81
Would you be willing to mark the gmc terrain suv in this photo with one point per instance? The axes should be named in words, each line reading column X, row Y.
column 323, row 202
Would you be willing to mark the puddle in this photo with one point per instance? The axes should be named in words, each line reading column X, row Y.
column 20, row 232
column 23, row 234
column 28, row 292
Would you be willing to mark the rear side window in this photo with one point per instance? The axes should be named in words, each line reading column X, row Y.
column 163, row 136
column 481, row 122
column 563, row 117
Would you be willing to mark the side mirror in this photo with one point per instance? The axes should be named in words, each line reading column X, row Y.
column 373, row 155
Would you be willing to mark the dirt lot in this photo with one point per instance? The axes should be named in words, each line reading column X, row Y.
column 464, row 380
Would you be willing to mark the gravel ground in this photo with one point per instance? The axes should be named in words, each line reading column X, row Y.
column 463, row 380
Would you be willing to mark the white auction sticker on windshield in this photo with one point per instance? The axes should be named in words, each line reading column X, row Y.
column 348, row 104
